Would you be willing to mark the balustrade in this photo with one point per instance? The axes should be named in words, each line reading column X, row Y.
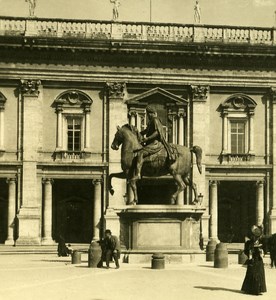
column 87, row 29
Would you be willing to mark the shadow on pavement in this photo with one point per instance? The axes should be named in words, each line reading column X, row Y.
column 205, row 266
column 55, row 260
column 210, row 288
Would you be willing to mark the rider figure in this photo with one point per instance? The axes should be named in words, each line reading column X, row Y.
column 154, row 141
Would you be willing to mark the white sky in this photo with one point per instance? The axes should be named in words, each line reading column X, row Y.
column 217, row 12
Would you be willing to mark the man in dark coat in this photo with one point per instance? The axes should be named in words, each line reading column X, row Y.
column 112, row 248
column 154, row 141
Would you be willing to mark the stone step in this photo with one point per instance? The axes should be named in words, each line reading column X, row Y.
column 51, row 249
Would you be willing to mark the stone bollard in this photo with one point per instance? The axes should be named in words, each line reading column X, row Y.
column 242, row 258
column 221, row 256
column 95, row 255
column 210, row 250
column 158, row 261
column 76, row 257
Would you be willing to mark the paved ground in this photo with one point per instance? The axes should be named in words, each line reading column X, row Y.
column 46, row 276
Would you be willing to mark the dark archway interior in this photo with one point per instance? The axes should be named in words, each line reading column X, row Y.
column 73, row 210
column 236, row 210
column 3, row 210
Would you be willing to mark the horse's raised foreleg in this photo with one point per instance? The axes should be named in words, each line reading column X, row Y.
column 188, row 181
column 180, row 187
column 120, row 175
column 132, row 183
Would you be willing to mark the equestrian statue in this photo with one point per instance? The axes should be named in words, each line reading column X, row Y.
column 152, row 156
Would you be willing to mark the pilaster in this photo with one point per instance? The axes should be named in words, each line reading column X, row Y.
column 272, row 94
column 199, row 129
column 118, row 115
column 29, row 214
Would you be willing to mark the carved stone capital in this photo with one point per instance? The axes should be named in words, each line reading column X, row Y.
column 272, row 94
column 3, row 100
column 132, row 113
column 47, row 180
column 87, row 109
column 181, row 113
column 260, row 183
column 199, row 93
column 59, row 108
column 213, row 183
column 30, row 87
column 116, row 89
column 11, row 180
column 96, row 181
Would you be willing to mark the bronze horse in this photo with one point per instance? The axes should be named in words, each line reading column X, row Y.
column 154, row 165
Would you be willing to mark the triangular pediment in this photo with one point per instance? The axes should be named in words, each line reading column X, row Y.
column 154, row 96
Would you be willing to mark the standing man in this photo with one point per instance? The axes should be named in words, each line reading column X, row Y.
column 112, row 248
column 116, row 4
column 197, row 12
column 154, row 141
column 32, row 6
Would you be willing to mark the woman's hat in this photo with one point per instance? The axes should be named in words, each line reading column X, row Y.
column 256, row 230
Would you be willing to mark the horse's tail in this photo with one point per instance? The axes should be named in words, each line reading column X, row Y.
column 198, row 153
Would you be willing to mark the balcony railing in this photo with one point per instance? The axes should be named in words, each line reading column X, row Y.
column 237, row 158
column 107, row 30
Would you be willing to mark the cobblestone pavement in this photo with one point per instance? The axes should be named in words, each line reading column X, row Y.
column 46, row 276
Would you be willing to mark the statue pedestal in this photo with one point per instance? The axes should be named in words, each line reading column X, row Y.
column 116, row 30
column 162, row 227
column 31, row 29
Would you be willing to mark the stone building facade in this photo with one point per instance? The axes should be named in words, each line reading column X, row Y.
column 65, row 85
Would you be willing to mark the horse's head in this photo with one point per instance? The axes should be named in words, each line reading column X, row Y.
column 128, row 134
column 118, row 139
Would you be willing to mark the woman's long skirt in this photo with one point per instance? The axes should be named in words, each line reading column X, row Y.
column 254, row 281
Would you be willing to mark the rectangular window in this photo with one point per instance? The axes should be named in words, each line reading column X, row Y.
column 74, row 133
column 237, row 137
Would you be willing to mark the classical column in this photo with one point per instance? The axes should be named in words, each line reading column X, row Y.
column 97, row 209
column 181, row 116
column 11, row 211
column 260, row 203
column 87, row 111
column 47, row 212
column 180, row 197
column 175, row 129
column 225, row 133
column 214, row 210
column 251, row 130
column 59, row 127
column 132, row 117
column 2, row 108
